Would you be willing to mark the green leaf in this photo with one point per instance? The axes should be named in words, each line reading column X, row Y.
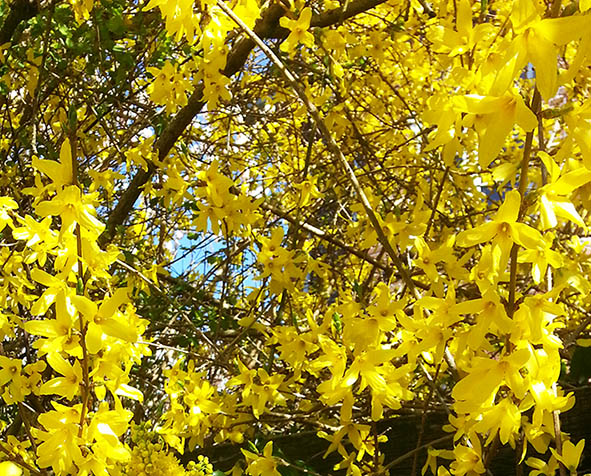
column 338, row 323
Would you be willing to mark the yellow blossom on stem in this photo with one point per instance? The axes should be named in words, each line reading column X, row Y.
column 299, row 33
column 262, row 465
column 503, row 230
column 468, row 459
column 571, row 454
column 493, row 118
column 72, row 207
column 66, row 386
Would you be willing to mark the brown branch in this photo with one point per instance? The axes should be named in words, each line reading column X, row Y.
column 407, row 455
column 535, row 107
column 20, row 11
column 126, row 202
column 338, row 15
column 18, row 459
column 436, row 203
column 326, row 19
column 325, row 236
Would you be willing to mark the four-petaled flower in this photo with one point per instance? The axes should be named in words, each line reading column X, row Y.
column 299, row 31
column 503, row 230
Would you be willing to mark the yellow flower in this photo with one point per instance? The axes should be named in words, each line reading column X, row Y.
column 468, row 460
column 180, row 19
column 168, row 87
column 555, row 196
column 540, row 258
column 66, row 386
column 571, row 455
column 538, row 39
column 248, row 11
column 61, row 173
column 60, row 447
column 432, row 455
column 308, row 190
column 368, row 366
column 72, row 207
column 5, row 205
column 299, row 31
column 493, row 118
column 105, row 429
column 489, row 314
column 266, row 393
column 541, row 468
column 262, row 465
column 503, row 418
column 464, row 38
column 216, row 90
column 57, row 332
column 504, row 230
column 487, row 375
column 12, row 379
column 105, row 319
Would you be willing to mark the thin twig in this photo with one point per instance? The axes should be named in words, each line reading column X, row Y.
column 17, row 459
column 82, row 284
column 405, row 456
column 535, row 107
column 436, row 202
column 432, row 389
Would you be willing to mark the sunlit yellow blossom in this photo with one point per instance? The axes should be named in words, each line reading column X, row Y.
column 66, row 386
column 262, row 465
column 299, row 33
column 503, row 230
column 72, row 207
column 571, row 454
column 493, row 118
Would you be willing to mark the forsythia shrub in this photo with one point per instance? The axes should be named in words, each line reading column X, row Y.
column 229, row 224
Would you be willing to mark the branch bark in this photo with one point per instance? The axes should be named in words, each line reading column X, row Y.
column 20, row 11
column 326, row 237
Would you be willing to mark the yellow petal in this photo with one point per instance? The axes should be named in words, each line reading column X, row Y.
column 8, row 468
column 509, row 210
column 571, row 181
column 561, row 31
column 128, row 391
column 524, row 116
column 94, row 338
column 87, row 307
column 59, row 364
column 305, row 17
column 526, row 236
column 543, row 54
column 477, row 235
column 118, row 329
column 464, row 17
column 551, row 166
column 476, row 104
column 547, row 214
column 492, row 140
column 45, row 328
column 111, row 304
column 567, row 210
column 507, row 73
column 66, row 161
